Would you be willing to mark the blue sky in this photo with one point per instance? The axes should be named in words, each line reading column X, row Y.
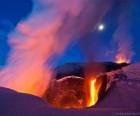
column 12, row 11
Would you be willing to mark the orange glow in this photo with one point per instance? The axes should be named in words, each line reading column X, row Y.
column 121, row 58
column 119, row 61
column 92, row 91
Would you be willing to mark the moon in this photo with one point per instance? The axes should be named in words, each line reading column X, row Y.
column 101, row 27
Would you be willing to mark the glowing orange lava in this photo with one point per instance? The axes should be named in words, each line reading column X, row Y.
column 122, row 59
column 92, row 92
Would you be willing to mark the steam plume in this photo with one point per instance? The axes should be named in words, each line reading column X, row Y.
column 122, row 35
column 44, row 34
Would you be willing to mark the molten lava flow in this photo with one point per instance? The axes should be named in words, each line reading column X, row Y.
column 92, row 91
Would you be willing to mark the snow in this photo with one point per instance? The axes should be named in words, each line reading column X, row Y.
column 122, row 97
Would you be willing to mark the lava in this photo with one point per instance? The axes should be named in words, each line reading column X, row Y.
column 92, row 90
column 121, row 58
column 93, row 93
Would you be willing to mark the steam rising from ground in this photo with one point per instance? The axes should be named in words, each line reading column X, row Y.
column 122, row 35
column 45, row 34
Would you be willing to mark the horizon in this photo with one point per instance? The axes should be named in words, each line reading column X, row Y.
column 10, row 17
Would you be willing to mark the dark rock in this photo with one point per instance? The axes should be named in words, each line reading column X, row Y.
column 78, row 69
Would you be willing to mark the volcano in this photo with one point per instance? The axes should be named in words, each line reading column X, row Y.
column 67, row 89
column 123, row 96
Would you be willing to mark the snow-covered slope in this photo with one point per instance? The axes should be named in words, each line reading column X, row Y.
column 123, row 97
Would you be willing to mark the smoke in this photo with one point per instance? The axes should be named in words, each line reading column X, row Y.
column 46, row 33
column 122, row 36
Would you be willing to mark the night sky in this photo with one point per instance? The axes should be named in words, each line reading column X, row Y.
column 13, row 11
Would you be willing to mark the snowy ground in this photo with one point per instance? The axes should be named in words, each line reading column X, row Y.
column 122, row 99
